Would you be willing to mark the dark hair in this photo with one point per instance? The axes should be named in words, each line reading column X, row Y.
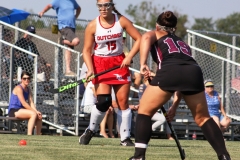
column 116, row 11
column 25, row 73
column 167, row 19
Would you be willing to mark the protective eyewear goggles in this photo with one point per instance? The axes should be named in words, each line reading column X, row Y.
column 106, row 5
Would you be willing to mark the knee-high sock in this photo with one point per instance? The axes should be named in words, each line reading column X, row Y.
column 142, row 134
column 214, row 136
column 95, row 119
column 124, row 118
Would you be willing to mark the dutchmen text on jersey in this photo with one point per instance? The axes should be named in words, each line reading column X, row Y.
column 108, row 41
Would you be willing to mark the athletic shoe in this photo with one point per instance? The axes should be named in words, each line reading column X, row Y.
column 224, row 157
column 127, row 142
column 85, row 138
column 140, row 158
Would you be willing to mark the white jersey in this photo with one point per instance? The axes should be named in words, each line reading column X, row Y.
column 108, row 41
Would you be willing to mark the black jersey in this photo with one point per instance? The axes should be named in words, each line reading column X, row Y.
column 171, row 50
column 177, row 70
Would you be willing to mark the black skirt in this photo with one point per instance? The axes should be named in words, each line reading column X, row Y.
column 186, row 78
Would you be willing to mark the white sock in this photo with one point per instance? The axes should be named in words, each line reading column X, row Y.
column 124, row 118
column 95, row 119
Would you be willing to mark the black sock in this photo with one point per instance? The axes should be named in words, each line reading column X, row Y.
column 142, row 134
column 214, row 136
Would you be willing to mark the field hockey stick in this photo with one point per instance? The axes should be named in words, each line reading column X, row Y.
column 181, row 151
column 81, row 81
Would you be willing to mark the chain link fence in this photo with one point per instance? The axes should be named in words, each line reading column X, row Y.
column 59, row 110
column 220, row 61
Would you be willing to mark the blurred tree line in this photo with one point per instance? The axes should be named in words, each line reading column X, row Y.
column 145, row 14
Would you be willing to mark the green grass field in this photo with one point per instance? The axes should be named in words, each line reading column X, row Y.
column 67, row 148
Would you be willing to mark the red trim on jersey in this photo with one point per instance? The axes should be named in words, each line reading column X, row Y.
column 110, row 26
column 159, row 54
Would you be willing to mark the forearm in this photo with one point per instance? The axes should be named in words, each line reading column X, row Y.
column 33, row 107
column 221, row 107
column 222, row 110
column 78, row 11
column 49, row 6
column 29, row 107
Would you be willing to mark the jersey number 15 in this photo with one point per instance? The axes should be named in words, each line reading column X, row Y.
column 110, row 45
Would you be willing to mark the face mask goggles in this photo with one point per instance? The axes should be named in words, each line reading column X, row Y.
column 106, row 5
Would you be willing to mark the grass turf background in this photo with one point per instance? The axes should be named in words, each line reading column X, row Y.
column 67, row 148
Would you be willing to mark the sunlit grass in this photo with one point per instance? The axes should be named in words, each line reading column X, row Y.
column 67, row 148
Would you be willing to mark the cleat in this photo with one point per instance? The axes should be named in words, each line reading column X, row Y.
column 127, row 142
column 85, row 138
column 224, row 157
column 140, row 158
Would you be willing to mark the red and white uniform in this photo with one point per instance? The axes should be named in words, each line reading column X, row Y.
column 108, row 52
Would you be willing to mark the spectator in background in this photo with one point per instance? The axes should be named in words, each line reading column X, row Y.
column 25, row 60
column 66, row 25
column 215, row 106
column 8, row 37
column 21, row 105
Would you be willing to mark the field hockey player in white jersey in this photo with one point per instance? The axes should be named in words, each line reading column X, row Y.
column 103, row 49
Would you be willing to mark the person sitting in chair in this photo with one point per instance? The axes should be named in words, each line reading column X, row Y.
column 215, row 107
column 21, row 105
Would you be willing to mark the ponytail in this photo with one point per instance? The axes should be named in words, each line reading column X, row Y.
column 116, row 11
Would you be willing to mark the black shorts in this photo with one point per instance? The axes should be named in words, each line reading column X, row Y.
column 188, row 79
column 12, row 111
column 68, row 33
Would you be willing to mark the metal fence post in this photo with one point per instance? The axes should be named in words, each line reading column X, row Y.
column 228, row 80
column 12, row 66
column 1, row 50
column 223, row 89
column 77, row 96
column 35, row 80
column 234, row 67
column 194, row 44
column 58, row 51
